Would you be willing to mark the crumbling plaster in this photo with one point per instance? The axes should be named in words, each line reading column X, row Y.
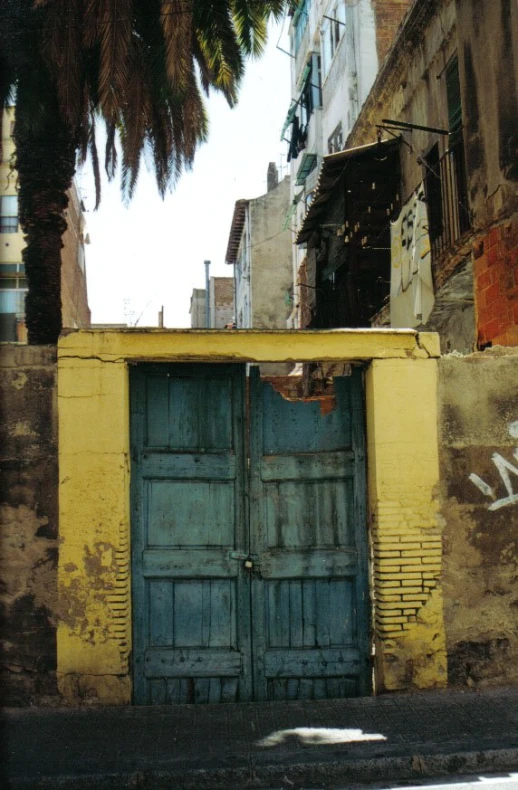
column 28, row 525
column 477, row 397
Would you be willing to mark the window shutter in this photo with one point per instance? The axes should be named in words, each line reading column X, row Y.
column 453, row 98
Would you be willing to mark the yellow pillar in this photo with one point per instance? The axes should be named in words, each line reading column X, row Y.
column 94, row 629
column 403, row 478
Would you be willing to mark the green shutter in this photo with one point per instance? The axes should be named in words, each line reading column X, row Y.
column 453, row 98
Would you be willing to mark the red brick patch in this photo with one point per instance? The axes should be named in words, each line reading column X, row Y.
column 496, row 285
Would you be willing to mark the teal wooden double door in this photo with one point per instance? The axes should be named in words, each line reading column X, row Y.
column 249, row 549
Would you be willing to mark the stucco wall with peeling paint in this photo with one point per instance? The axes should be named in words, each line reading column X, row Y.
column 478, row 417
column 28, row 525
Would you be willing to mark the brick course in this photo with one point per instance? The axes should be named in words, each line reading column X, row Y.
column 496, row 285
column 389, row 14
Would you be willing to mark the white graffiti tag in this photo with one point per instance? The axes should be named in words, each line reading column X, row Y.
column 505, row 470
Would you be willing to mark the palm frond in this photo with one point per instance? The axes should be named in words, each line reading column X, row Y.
column 135, row 118
column 110, row 157
column 250, row 19
column 61, row 40
column 114, row 38
column 177, row 26
column 195, row 122
column 94, row 156
column 218, row 41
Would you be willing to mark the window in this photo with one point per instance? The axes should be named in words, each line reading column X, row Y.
column 8, row 282
column 310, row 98
column 12, row 276
column 332, row 31
column 445, row 176
column 9, row 214
column 11, row 129
column 300, row 21
column 311, row 94
column 11, row 268
column 433, row 193
column 336, row 141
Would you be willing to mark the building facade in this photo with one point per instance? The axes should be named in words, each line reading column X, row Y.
column 221, row 304
column 13, row 282
column 336, row 49
column 415, row 223
column 260, row 250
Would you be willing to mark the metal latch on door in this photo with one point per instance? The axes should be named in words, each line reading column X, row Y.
column 248, row 559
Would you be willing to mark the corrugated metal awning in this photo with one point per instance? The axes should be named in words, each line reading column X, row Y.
column 333, row 167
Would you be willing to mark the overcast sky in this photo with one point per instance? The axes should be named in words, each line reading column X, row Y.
column 152, row 253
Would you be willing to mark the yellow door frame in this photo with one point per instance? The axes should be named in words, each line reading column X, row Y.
column 94, row 617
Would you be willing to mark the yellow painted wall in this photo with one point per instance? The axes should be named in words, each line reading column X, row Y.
column 403, row 481
column 94, row 632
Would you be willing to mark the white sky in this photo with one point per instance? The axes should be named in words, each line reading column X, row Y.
column 152, row 252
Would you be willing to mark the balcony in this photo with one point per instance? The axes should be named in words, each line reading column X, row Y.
column 447, row 198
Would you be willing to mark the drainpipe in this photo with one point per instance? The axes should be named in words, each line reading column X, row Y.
column 207, row 295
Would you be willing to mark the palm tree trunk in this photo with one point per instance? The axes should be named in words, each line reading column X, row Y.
column 45, row 160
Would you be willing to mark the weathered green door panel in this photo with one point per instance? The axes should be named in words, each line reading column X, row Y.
column 194, row 525
column 191, row 598
column 308, row 532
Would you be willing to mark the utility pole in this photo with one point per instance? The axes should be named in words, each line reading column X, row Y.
column 207, row 295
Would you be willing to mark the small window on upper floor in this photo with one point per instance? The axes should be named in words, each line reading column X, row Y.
column 335, row 142
column 332, row 31
column 9, row 214
column 11, row 129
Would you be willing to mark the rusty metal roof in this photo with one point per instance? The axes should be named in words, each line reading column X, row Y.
column 332, row 169
column 236, row 229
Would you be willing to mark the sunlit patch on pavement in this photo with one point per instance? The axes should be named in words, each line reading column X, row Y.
column 320, row 736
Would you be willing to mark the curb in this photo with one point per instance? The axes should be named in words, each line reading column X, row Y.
column 318, row 773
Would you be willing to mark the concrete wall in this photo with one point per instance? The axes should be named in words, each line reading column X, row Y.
column 28, row 524
column 478, row 417
column 271, row 258
column 487, row 32
column 242, row 277
column 221, row 301
column 75, row 312
column 197, row 309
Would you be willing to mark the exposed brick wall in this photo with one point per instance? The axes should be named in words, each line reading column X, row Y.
column 496, row 285
column 389, row 14
column 406, row 567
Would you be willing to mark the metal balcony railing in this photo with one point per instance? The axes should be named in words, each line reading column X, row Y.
column 447, row 199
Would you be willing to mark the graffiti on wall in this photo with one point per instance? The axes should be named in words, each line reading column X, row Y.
column 505, row 469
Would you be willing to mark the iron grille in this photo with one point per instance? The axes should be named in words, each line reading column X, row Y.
column 447, row 199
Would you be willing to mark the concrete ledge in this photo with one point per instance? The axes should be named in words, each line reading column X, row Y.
column 195, row 345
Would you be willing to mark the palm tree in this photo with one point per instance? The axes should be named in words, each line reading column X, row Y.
column 140, row 66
